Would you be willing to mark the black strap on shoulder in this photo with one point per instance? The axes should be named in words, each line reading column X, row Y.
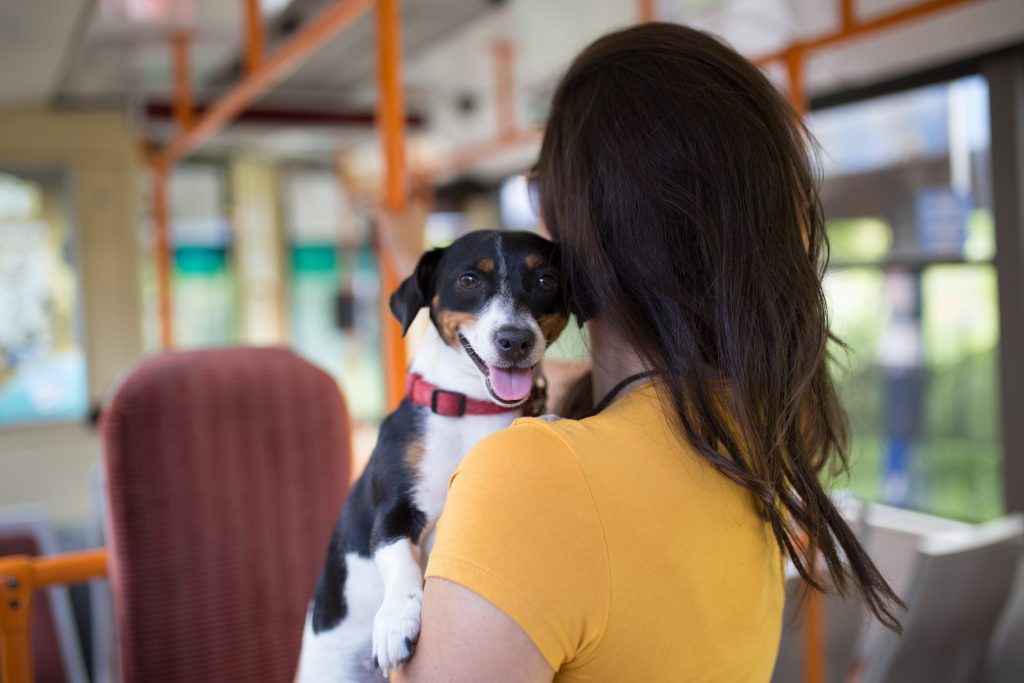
column 617, row 389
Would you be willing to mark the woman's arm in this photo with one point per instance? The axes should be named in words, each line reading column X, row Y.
column 466, row 638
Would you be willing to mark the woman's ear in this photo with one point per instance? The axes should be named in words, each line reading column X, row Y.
column 415, row 291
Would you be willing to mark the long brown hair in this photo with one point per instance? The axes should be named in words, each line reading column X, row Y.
column 681, row 186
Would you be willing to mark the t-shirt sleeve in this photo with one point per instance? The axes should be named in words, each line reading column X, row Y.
column 521, row 529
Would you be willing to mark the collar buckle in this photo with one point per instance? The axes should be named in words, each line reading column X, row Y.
column 437, row 394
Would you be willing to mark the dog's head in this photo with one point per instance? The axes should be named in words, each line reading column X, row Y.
column 496, row 297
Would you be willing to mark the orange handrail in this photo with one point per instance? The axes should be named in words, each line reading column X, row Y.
column 20, row 577
column 70, row 567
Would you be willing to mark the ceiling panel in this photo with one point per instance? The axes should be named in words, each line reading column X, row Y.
column 34, row 35
column 349, row 60
column 120, row 59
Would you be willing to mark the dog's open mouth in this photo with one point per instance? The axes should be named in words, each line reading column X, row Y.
column 508, row 386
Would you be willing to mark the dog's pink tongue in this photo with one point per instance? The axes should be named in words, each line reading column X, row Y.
column 511, row 384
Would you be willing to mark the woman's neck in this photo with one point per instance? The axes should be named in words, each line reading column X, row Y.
column 614, row 359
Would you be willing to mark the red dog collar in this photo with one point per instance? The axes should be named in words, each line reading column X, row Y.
column 450, row 403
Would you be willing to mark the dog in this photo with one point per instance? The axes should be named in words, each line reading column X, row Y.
column 496, row 303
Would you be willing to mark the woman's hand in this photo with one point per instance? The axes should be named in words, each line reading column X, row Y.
column 465, row 638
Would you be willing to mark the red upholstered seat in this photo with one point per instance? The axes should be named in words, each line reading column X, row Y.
column 225, row 472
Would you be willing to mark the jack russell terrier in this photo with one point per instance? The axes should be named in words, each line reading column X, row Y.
column 496, row 304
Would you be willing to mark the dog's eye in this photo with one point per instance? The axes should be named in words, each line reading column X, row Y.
column 547, row 283
column 469, row 280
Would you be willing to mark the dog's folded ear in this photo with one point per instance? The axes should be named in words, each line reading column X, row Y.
column 415, row 291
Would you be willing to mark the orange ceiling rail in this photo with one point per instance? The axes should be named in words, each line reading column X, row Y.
column 850, row 28
column 271, row 71
column 857, row 29
column 792, row 56
column 20, row 577
column 184, row 107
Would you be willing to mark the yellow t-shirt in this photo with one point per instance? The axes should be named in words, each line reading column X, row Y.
column 619, row 551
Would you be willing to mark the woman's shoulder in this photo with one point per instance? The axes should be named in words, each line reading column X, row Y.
column 520, row 527
column 530, row 446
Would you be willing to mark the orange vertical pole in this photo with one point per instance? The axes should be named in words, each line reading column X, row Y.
column 184, row 109
column 795, row 71
column 645, row 11
column 162, row 254
column 20, row 577
column 254, row 37
column 846, row 14
column 504, row 87
column 814, row 638
column 16, row 591
column 184, row 113
column 391, row 128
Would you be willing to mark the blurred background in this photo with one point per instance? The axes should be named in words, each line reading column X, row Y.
column 262, row 231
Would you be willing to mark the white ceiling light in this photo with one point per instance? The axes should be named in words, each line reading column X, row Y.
column 165, row 12
column 272, row 7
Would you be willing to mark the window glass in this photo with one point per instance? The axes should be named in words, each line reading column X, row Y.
column 204, row 292
column 42, row 362
column 912, row 292
column 334, row 288
column 205, row 295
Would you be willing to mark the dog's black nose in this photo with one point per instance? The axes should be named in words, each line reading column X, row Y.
column 514, row 343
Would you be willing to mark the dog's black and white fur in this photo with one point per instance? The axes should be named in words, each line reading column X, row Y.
column 495, row 302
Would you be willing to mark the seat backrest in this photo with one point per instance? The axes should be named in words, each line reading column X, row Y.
column 1006, row 652
column 959, row 587
column 225, row 471
column 893, row 537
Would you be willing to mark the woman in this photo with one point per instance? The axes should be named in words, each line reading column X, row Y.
column 646, row 542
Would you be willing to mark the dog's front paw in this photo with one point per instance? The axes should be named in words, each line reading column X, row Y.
column 549, row 417
column 396, row 628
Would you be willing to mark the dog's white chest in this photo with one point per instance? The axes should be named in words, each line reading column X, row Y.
column 446, row 442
